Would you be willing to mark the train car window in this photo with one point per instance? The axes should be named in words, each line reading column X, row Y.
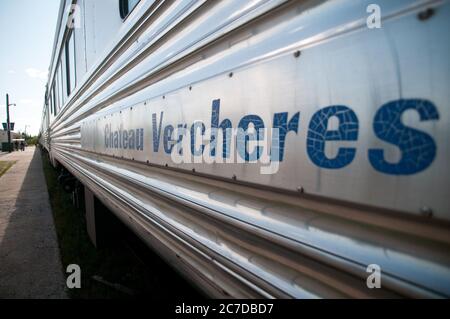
column 63, row 77
column 58, row 89
column 49, row 103
column 70, row 64
column 53, row 99
column 126, row 6
column 62, row 95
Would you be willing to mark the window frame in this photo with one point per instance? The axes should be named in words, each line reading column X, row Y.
column 57, row 88
column 49, row 104
column 54, row 98
column 124, row 9
column 70, row 58
column 61, row 84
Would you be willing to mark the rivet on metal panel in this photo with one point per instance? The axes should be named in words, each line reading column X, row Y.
column 426, row 211
column 426, row 14
column 231, row 74
column 297, row 53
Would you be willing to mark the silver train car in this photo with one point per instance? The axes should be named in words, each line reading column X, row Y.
column 264, row 148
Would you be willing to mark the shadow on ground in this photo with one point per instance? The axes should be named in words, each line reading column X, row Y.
column 126, row 267
column 36, row 244
column 29, row 258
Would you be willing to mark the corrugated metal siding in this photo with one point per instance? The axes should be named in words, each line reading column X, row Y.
column 233, row 239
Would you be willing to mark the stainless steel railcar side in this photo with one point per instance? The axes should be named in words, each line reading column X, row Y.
column 362, row 172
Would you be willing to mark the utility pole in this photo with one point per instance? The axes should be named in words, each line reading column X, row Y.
column 8, row 124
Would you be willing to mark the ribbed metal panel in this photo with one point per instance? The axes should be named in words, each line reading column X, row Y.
column 238, row 239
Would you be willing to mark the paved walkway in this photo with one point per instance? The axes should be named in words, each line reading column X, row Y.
column 30, row 265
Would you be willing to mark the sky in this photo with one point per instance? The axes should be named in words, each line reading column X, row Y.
column 27, row 29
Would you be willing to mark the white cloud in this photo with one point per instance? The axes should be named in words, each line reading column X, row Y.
column 11, row 72
column 36, row 74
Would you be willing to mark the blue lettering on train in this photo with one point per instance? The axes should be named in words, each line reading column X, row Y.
column 243, row 137
column 124, row 139
column 418, row 149
column 194, row 128
column 283, row 126
column 224, row 126
column 318, row 134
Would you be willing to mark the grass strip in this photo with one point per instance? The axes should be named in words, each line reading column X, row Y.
column 5, row 166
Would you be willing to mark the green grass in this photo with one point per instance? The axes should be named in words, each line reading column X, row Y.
column 117, row 263
column 5, row 166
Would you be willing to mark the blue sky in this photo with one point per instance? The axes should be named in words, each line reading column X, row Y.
column 27, row 29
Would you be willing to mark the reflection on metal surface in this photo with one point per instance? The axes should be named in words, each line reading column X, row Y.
column 364, row 122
